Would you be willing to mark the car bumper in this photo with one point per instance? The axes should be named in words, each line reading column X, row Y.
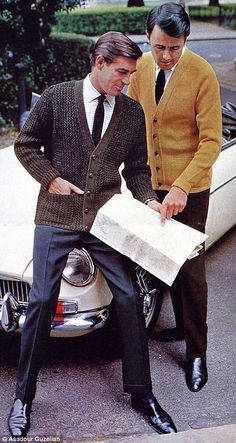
column 12, row 318
column 79, row 324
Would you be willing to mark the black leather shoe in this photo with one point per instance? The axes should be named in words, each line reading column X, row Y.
column 158, row 418
column 169, row 335
column 19, row 419
column 196, row 374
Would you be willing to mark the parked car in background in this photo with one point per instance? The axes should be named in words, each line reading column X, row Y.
column 85, row 299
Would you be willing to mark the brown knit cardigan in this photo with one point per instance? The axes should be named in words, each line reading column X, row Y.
column 58, row 124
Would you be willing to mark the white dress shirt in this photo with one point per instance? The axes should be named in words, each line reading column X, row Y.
column 90, row 96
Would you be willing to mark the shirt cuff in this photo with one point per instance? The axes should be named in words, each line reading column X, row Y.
column 151, row 200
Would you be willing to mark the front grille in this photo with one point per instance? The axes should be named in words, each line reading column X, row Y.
column 18, row 288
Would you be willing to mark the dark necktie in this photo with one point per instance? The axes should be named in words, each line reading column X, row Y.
column 160, row 84
column 98, row 120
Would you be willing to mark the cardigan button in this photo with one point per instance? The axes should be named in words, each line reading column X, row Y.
column 154, row 136
column 88, row 193
column 156, row 153
column 155, row 120
column 90, row 175
column 86, row 228
column 86, row 210
column 94, row 156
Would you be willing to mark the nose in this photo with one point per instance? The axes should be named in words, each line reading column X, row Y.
column 126, row 79
column 166, row 54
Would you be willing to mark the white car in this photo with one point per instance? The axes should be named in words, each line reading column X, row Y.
column 85, row 298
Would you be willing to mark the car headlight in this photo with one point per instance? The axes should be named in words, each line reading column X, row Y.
column 79, row 269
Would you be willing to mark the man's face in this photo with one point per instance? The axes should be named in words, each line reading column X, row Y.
column 166, row 50
column 111, row 78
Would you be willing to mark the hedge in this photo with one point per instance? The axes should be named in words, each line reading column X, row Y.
column 224, row 14
column 96, row 21
column 65, row 57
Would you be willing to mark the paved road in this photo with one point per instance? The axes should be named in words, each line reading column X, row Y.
column 80, row 394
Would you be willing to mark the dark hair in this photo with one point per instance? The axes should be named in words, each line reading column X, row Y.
column 113, row 44
column 171, row 18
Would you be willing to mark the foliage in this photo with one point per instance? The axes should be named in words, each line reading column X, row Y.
column 11, row 24
column 96, row 21
column 65, row 57
column 24, row 23
column 2, row 122
column 224, row 14
column 8, row 85
column 24, row 38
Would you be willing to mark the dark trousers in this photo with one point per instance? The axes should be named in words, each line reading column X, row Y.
column 189, row 290
column 51, row 248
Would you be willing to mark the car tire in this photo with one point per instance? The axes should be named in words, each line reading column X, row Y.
column 152, row 295
column 151, row 321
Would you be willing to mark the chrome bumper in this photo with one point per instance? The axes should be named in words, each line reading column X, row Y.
column 79, row 324
column 12, row 318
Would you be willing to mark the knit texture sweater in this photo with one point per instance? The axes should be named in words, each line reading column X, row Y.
column 58, row 124
column 184, row 131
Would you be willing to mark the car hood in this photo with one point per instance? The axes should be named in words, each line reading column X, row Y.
column 17, row 244
column 224, row 167
column 18, row 198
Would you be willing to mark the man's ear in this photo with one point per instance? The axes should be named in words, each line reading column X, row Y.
column 148, row 36
column 99, row 62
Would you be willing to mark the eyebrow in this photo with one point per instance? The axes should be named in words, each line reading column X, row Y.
column 169, row 47
column 126, row 70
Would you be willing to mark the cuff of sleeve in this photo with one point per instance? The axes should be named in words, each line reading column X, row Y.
column 185, row 186
column 48, row 178
column 150, row 200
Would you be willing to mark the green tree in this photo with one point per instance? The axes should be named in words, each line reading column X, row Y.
column 24, row 28
column 26, row 23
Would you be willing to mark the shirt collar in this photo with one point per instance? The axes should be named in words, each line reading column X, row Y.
column 91, row 93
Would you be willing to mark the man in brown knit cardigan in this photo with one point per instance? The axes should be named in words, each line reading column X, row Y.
column 77, row 177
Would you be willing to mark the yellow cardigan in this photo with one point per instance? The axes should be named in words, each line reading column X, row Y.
column 184, row 131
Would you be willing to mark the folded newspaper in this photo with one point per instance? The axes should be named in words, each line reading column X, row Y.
column 134, row 230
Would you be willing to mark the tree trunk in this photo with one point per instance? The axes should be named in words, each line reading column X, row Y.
column 214, row 3
column 135, row 3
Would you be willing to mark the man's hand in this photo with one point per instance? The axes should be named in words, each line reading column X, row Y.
column 60, row 186
column 173, row 203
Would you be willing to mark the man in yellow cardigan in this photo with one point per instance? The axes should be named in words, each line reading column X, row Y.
column 180, row 96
